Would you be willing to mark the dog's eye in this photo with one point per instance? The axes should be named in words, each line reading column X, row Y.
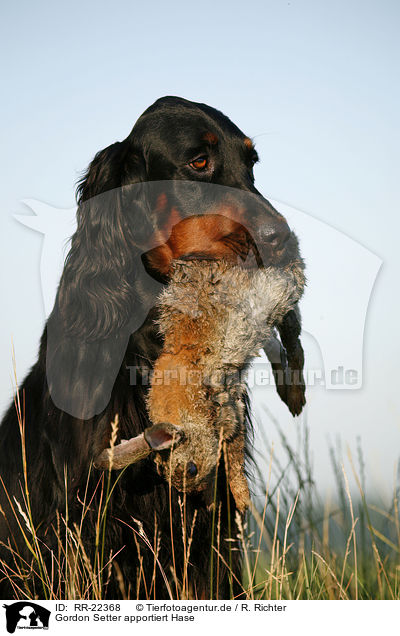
column 199, row 164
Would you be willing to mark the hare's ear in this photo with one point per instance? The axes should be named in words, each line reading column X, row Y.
column 163, row 436
column 156, row 438
column 127, row 452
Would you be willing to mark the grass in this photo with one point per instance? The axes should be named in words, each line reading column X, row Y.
column 296, row 544
column 306, row 546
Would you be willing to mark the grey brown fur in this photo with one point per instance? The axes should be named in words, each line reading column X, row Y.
column 215, row 318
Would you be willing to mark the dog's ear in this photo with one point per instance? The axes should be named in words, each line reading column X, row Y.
column 104, row 293
column 113, row 167
column 95, row 296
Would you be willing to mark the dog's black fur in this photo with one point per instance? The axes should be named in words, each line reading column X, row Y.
column 90, row 332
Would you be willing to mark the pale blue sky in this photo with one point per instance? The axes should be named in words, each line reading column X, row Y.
column 314, row 82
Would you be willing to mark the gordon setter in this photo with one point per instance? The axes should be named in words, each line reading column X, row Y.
column 181, row 185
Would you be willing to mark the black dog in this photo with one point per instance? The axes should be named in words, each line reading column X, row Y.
column 181, row 160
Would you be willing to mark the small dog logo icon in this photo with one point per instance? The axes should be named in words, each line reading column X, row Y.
column 26, row 615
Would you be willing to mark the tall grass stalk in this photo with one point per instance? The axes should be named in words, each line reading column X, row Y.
column 296, row 542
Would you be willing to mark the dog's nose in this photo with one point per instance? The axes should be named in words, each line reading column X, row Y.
column 273, row 235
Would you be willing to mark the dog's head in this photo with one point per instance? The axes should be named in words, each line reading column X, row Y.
column 198, row 200
column 181, row 185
